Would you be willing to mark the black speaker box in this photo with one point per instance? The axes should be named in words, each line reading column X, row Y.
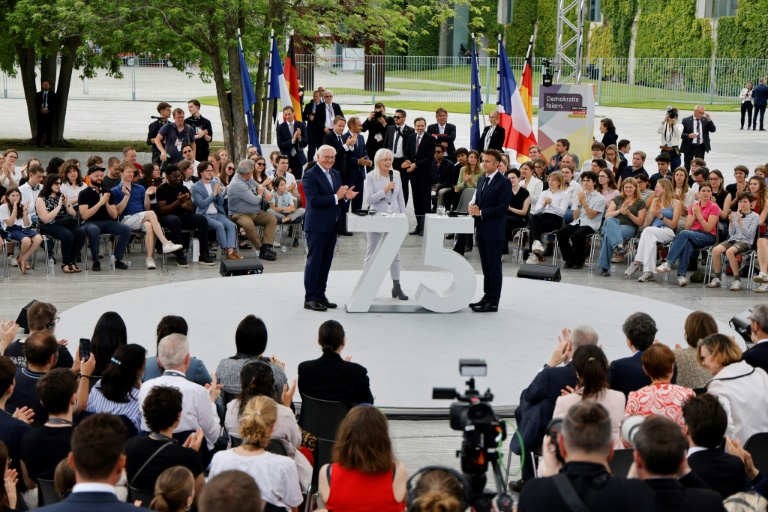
column 243, row 267
column 540, row 272
column 22, row 318
column 742, row 325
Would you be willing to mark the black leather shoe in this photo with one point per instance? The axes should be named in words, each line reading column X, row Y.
column 267, row 254
column 96, row 266
column 486, row 308
column 416, row 231
column 517, row 485
column 478, row 303
column 345, row 233
column 314, row 306
column 329, row 305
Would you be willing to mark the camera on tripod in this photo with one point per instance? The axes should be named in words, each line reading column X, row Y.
column 546, row 72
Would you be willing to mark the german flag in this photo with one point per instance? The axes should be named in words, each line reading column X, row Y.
column 292, row 78
column 526, row 94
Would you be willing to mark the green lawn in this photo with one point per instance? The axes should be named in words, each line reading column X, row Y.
column 419, row 86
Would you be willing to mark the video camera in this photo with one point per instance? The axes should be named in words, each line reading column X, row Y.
column 483, row 432
column 546, row 72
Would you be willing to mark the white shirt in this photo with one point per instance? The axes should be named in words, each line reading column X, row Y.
column 558, row 205
column 197, row 410
column 5, row 216
column 534, row 188
column 289, row 178
column 329, row 115
column 72, row 192
column 397, row 152
column 573, row 191
column 28, row 195
column 16, row 176
column 672, row 137
column 94, row 487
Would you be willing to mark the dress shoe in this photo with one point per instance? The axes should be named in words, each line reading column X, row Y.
column 329, row 305
column 478, row 303
column 268, row 254
column 486, row 308
column 314, row 305
column 345, row 233
column 416, row 231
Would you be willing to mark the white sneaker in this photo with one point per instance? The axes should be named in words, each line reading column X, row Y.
column 664, row 267
column 762, row 288
column 760, row 278
column 646, row 277
column 537, row 248
column 276, row 244
column 12, row 261
column 532, row 259
column 714, row 283
column 151, row 264
column 634, row 267
column 171, row 247
column 736, row 286
column 682, row 281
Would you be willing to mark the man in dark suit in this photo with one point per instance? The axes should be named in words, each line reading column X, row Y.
column 395, row 140
column 331, row 377
column 537, row 401
column 375, row 128
column 326, row 114
column 97, row 457
column 335, row 139
column 357, row 159
column 489, row 207
column 695, row 138
column 757, row 356
column 419, row 154
column 760, row 97
column 585, row 443
column 443, row 175
column 308, row 116
column 444, row 133
column 324, row 193
column 292, row 139
column 45, row 106
column 203, row 130
column 660, row 452
column 493, row 135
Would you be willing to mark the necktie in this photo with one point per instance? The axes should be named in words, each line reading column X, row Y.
column 290, row 127
column 397, row 139
column 340, row 142
column 45, row 99
column 293, row 149
column 328, row 175
column 418, row 142
column 698, row 131
column 35, row 188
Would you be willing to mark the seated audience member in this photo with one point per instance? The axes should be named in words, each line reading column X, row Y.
column 248, row 209
column 162, row 411
column 109, row 334
column 208, row 197
column 757, row 356
column 643, row 186
column 746, row 502
column 529, row 180
column 97, row 458
column 588, row 208
column 660, row 223
column 519, row 206
column 250, row 342
column 99, row 214
column 598, row 150
column 174, row 490
column 13, row 425
column 64, row 479
column 690, row 373
column 661, row 398
column 199, row 407
column 275, row 475
column 331, row 377
column 8, row 494
column 117, row 392
column 197, row 372
column 256, row 380
column 57, row 219
column 177, row 212
column 700, row 229
column 42, row 448
column 627, row 374
column 624, row 215
column 591, row 367
column 41, row 317
column 282, row 204
column 637, row 167
column 134, row 205
column 436, row 490
column 586, row 445
column 663, row 162
column 742, row 228
column 15, row 219
column 547, row 216
column 537, row 401
column 736, row 384
column 572, row 189
column 606, row 183
column 233, row 491
column 364, row 468
column 660, row 452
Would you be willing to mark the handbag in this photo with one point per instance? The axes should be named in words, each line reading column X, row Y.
column 66, row 221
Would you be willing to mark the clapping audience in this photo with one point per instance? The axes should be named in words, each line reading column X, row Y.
column 117, row 392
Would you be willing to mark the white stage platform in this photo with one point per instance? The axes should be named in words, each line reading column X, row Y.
column 406, row 354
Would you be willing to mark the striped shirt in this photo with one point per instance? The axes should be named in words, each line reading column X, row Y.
column 97, row 402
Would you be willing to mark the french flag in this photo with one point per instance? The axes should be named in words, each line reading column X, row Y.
column 512, row 114
column 278, row 87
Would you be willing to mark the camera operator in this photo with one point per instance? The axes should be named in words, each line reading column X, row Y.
column 671, row 130
column 376, row 126
column 585, row 444
column 164, row 109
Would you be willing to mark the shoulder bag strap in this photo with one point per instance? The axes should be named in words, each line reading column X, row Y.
column 148, row 461
column 568, row 493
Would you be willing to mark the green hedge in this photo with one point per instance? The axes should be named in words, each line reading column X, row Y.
column 744, row 36
column 618, row 16
column 517, row 33
column 547, row 30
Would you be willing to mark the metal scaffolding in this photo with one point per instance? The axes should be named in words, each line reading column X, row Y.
column 566, row 28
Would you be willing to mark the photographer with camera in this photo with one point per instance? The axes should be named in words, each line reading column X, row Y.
column 376, row 126
column 671, row 130
column 585, row 444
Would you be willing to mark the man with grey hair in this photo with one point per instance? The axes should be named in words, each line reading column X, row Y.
column 198, row 407
column 537, row 401
column 248, row 208
column 757, row 356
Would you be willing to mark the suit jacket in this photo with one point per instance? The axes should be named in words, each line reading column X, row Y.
column 286, row 144
column 320, row 115
column 595, row 487
column 721, row 471
column 442, row 173
column 449, row 136
column 308, row 112
column 202, row 198
column 497, row 138
column 757, row 356
column 51, row 101
column 673, row 497
column 760, row 95
column 354, row 169
column 91, row 502
column 332, row 378
column 493, row 197
column 340, row 164
column 422, row 157
column 391, row 136
column 537, row 403
column 627, row 374
column 322, row 209
column 707, row 127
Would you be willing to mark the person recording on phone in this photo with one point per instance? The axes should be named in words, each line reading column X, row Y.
column 695, row 138
column 375, row 126
column 671, row 131
column 383, row 192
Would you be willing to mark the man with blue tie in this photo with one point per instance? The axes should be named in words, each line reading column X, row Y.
column 357, row 159
column 489, row 207
column 292, row 139
column 335, row 139
column 324, row 192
